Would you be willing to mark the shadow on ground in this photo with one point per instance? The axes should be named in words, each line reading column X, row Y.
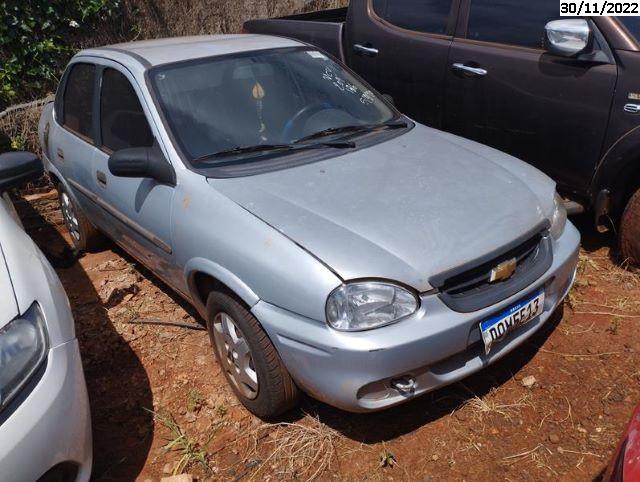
column 118, row 385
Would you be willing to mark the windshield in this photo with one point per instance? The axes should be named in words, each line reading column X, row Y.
column 275, row 97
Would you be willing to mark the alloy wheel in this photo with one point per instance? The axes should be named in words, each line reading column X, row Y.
column 70, row 217
column 235, row 355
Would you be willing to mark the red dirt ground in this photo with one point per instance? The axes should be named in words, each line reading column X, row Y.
column 489, row 427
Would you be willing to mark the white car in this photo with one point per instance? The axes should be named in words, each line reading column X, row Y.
column 45, row 425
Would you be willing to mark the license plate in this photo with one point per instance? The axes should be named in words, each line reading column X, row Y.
column 495, row 329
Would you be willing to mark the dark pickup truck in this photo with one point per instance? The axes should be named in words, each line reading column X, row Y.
column 560, row 93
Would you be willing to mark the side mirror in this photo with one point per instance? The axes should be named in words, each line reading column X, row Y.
column 568, row 38
column 18, row 168
column 146, row 162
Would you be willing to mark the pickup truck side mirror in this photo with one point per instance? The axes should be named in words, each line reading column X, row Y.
column 568, row 38
column 146, row 162
column 18, row 168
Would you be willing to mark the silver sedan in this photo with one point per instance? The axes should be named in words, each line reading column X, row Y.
column 332, row 244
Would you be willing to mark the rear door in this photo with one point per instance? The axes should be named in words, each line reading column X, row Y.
column 547, row 110
column 137, row 211
column 401, row 48
column 72, row 144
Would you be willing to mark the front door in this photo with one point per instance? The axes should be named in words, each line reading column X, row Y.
column 401, row 48
column 547, row 110
column 137, row 211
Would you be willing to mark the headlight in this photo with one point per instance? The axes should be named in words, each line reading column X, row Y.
column 559, row 218
column 362, row 306
column 23, row 348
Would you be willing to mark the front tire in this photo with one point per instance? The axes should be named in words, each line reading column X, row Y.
column 248, row 359
column 630, row 231
column 84, row 235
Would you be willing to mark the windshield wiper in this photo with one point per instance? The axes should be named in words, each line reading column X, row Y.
column 353, row 129
column 273, row 147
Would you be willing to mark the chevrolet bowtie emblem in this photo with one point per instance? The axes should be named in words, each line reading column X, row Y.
column 503, row 271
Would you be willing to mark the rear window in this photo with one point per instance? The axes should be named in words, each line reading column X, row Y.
column 122, row 120
column 78, row 99
column 428, row 16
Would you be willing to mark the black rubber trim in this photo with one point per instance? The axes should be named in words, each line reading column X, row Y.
column 145, row 63
column 438, row 280
column 145, row 233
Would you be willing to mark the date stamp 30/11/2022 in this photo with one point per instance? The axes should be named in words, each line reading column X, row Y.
column 599, row 8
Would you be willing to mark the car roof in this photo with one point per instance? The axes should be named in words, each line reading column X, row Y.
column 149, row 53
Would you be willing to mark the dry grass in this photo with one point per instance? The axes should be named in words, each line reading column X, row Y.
column 300, row 451
column 539, row 456
column 19, row 129
column 489, row 404
column 187, row 448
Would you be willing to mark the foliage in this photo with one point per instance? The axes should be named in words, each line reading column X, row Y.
column 37, row 37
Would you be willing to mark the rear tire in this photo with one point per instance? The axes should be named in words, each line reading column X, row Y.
column 630, row 231
column 84, row 235
column 248, row 359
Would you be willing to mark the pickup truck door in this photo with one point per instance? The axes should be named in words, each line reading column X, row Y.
column 503, row 89
column 137, row 212
column 401, row 47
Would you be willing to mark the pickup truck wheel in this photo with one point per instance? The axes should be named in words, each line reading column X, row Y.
column 248, row 359
column 84, row 235
column 630, row 231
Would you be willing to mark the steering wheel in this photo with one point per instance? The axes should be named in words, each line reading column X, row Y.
column 294, row 125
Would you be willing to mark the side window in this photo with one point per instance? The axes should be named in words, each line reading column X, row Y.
column 428, row 16
column 122, row 120
column 512, row 22
column 78, row 99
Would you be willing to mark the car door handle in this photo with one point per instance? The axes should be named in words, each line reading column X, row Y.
column 632, row 108
column 102, row 178
column 368, row 51
column 60, row 153
column 476, row 71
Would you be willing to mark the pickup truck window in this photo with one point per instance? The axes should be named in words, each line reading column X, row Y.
column 428, row 16
column 122, row 120
column 632, row 25
column 269, row 97
column 511, row 22
column 78, row 99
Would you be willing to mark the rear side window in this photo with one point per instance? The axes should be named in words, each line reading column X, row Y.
column 78, row 99
column 511, row 22
column 122, row 120
column 428, row 16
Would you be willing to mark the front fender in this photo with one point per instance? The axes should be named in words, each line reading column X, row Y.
column 223, row 275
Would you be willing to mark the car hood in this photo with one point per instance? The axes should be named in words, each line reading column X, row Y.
column 8, row 304
column 406, row 209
